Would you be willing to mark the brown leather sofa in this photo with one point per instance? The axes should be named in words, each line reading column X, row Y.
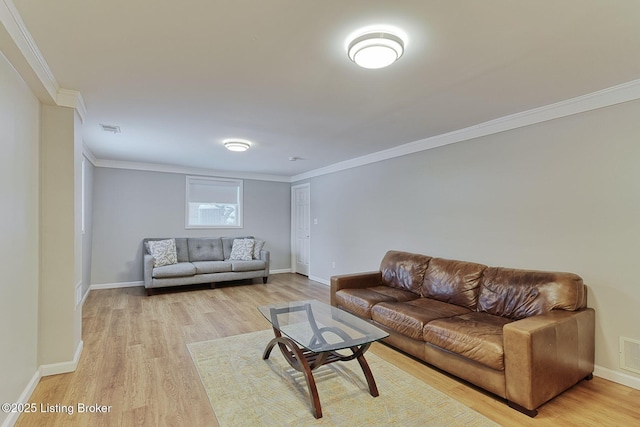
column 523, row 335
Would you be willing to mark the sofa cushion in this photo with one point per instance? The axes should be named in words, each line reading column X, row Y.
column 206, row 267
column 242, row 250
column 360, row 300
column 205, row 249
column 404, row 270
column 252, row 265
column 182, row 249
column 517, row 294
column 409, row 318
column 455, row 282
column 163, row 252
column 476, row 336
column 174, row 270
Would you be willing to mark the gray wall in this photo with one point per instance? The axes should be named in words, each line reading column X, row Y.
column 129, row 205
column 560, row 195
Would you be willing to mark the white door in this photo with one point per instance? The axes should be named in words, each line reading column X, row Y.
column 301, row 215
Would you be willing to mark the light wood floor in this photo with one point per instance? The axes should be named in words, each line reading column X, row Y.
column 135, row 359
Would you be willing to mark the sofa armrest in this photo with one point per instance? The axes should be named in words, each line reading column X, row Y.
column 147, row 270
column 356, row 280
column 266, row 257
column 546, row 354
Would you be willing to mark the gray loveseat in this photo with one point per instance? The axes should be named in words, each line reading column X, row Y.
column 202, row 260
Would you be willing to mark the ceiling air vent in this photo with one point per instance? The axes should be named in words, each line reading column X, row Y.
column 110, row 128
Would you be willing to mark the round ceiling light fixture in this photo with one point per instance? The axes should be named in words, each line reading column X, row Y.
column 375, row 49
column 236, row 144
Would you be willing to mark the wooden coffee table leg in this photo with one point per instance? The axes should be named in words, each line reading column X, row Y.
column 313, row 392
column 298, row 361
column 373, row 389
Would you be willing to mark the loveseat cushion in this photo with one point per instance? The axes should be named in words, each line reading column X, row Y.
column 476, row 336
column 174, row 270
column 404, row 270
column 409, row 318
column 206, row 267
column 252, row 265
column 517, row 294
column 360, row 301
column 205, row 249
column 455, row 282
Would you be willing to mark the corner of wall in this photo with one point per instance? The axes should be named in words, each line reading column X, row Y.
column 63, row 367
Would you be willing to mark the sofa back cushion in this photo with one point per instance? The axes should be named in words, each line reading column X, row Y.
column 183, row 249
column 205, row 249
column 404, row 270
column 454, row 282
column 517, row 294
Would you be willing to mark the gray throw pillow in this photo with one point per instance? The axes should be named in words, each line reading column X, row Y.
column 257, row 247
column 163, row 252
column 242, row 250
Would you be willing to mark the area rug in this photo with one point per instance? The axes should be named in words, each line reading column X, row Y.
column 245, row 390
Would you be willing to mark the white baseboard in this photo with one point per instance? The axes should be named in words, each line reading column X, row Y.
column 84, row 297
column 280, row 271
column 617, row 377
column 43, row 371
column 63, row 367
column 141, row 283
column 320, row 280
column 116, row 285
column 24, row 398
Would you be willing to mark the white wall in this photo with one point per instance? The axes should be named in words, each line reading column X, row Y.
column 19, row 229
column 129, row 205
column 87, row 236
column 60, row 239
column 560, row 195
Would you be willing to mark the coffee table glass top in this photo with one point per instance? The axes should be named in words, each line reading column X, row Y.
column 319, row 327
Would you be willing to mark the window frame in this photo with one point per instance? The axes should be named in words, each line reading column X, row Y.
column 213, row 180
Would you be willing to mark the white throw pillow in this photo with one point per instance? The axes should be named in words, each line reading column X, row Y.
column 163, row 252
column 257, row 247
column 242, row 250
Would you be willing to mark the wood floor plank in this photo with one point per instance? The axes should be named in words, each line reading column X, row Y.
column 136, row 360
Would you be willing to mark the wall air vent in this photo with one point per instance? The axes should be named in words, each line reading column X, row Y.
column 110, row 128
column 630, row 355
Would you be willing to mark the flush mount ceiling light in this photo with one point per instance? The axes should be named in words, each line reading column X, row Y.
column 375, row 49
column 236, row 144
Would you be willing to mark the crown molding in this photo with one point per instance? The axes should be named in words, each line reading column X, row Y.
column 18, row 46
column 72, row 99
column 25, row 55
column 86, row 151
column 603, row 98
column 154, row 167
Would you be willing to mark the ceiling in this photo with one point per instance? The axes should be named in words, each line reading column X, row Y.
column 178, row 77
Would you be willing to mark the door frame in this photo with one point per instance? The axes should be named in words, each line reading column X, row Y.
column 293, row 225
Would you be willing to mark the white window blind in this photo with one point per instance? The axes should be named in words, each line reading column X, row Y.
column 213, row 202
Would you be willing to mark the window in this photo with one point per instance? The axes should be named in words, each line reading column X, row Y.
column 213, row 203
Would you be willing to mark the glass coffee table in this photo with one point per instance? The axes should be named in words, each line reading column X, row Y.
column 311, row 334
